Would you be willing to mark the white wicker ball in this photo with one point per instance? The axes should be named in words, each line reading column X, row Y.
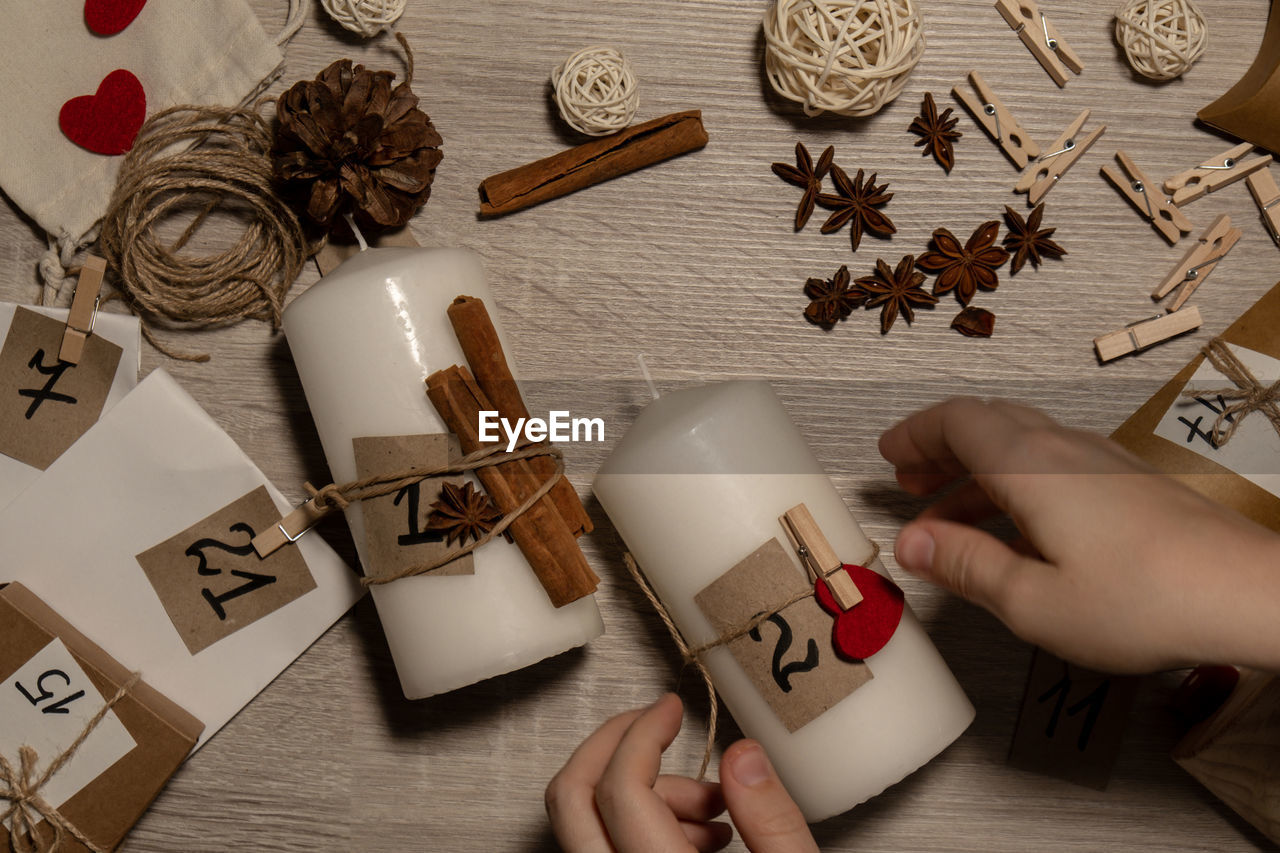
column 849, row 57
column 1161, row 38
column 595, row 90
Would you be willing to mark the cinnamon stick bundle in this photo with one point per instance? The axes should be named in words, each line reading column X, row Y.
column 541, row 534
column 592, row 163
column 479, row 340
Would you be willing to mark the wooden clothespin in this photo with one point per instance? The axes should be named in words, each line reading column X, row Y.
column 1145, row 333
column 1197, row 263
column 84, row 309
column 1214, row 174
column 1041, row 38
column 1164, row 216
column 1262, row 186
column 292, row 527
column 1067, row 149
column 997, row 121
column 818, row 556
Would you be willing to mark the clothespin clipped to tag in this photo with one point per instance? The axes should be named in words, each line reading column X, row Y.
column 1064, row 152
column 1197, row 263
column 993, row 117
column 292, row 527
column 1160, row 211
column 1214, row 174
column 866, row 606
column 84, row 309
column 1262, row 186
column 1146, row 333
column 1041, row 38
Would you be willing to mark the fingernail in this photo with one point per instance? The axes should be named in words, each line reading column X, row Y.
column 914, row 550
column 751, row 766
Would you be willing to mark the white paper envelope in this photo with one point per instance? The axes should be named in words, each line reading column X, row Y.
column 149, row 469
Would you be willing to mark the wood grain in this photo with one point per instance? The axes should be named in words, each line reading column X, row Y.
column 694, row 264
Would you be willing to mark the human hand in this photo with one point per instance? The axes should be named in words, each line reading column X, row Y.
column 1121, row 568
column 610, row 796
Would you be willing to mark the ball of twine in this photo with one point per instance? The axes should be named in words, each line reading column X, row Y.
column 187, row 164
column 849, row 57
column 1161, row 38
column 596, row 91
column 366, row 17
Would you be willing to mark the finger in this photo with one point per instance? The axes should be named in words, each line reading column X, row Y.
column 707, row 837
column 637, row 819
column 968, row 504
column 933, row 447
column 690, row 799
column 570, row 795
column 767, row 818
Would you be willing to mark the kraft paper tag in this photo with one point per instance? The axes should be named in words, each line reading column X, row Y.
column 1071, row 721
column 395, row 538
column 46, row 404
column 211, row 581
column 789, row 657
column 46, row 704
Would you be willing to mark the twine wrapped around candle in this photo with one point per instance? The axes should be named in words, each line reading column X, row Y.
column 21, row 787
column 694, row 655
column 1247, row 396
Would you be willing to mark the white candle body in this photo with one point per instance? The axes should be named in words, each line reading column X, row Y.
column 696, row 485
column 365, row 338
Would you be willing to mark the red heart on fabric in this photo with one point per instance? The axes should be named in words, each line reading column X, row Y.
column 108, row 17
column 108, row 121
column 863, row 629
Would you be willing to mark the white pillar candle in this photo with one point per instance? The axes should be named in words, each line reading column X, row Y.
column 696, row 485
column 364, row 338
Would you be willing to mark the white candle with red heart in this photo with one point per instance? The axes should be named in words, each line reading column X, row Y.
column 698, row 483
column 364, row 339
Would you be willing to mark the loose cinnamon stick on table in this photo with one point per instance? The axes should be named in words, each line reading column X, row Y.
column 542, row 535
column 483, row 350
column 592, row 163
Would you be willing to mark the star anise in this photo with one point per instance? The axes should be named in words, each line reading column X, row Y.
column 461, row 512
column 856, row 201
column 1027, row 240
column 974, row 322
column 833, row 299
column 937, row 133
column 896, row 290
column 807, row 176
column 965, row 269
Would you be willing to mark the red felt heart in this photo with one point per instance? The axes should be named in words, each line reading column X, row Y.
column 108, row 17
column 106, row 122
column 863, row 629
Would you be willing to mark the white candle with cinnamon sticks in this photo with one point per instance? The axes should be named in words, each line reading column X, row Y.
column 365, row 338
column 697, row 484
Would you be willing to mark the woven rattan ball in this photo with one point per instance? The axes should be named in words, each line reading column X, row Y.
column 366, row 17
column 596, row 91
column 1161, row 38
column 849, row 57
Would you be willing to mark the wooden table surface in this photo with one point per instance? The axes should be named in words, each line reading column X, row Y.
column 694, row 264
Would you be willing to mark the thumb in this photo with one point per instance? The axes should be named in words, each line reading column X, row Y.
column 767, row 818
column 971, row 563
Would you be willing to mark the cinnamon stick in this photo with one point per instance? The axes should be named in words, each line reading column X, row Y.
column 541, row 534
column 483, row 350
column 592, row 163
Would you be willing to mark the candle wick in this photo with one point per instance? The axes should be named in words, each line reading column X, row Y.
column 648, row 378
column 356, row 231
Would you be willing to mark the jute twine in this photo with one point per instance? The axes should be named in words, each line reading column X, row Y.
column 595, row 90
column 201, row 159
column 21, row 785
column 1161, row 38
column 365, row 17
column 1247, row 395
column 335, row 496
column 850, row 57
column 692, row 655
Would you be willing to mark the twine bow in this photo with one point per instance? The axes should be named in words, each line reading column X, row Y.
column 1247, row 396
column 20, row 786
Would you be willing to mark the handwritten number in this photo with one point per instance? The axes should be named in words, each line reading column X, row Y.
column 59, row 707
column 1094, row 702
column 253, row 580
column 39, row 395
column 197, row 548
column 416, row 535
column 782, row 672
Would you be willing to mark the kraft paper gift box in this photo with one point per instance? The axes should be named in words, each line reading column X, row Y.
column 53, row 681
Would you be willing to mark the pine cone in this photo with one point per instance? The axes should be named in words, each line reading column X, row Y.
column 349, row 143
